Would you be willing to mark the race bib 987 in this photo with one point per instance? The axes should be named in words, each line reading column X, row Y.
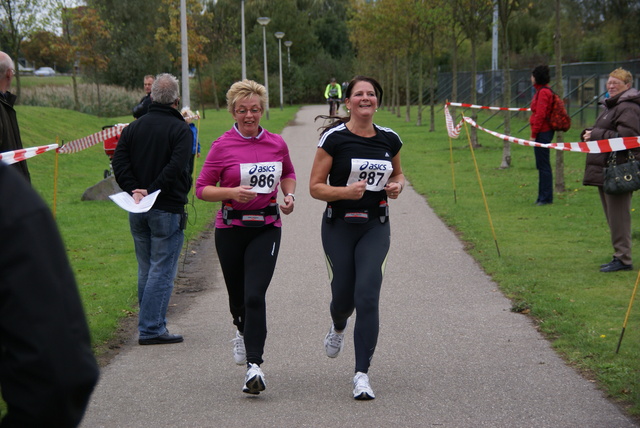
column 263, row 177
column 375, row 172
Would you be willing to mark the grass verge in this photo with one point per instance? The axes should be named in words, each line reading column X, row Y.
column 549, row 255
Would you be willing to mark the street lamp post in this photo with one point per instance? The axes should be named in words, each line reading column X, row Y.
column 288, row 44
column 244, row 46
column 280, row 35
column 263, row 20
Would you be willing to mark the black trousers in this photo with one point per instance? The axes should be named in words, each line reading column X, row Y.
column 248, row 258
column 543, row 164
column 356, row 256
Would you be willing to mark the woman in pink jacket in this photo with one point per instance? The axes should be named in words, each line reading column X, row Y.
column 243, row 170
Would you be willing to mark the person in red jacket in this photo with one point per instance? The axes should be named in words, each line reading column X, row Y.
column 541, row 132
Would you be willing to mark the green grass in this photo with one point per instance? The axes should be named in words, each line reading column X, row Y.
column 96, row 233
column 33, row 81
column 549, row 255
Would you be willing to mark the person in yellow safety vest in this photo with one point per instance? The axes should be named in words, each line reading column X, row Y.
column 333, row 92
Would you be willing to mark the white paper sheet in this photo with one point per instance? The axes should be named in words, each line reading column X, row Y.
column 126, row 202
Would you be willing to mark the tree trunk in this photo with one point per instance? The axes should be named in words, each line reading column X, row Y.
column 432, row 84
column 503, row 38
column 76, row 99
column 474, row 94
column 407, row 90
column 559, row 176
column 420, row 89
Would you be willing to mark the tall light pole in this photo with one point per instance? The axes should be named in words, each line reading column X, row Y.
column 263, row 20
column 186, row 97
column 244, row 46
column 288, row 44
column 279, row 36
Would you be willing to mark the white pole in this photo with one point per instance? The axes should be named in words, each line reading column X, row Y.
column 244, row 46
column 280, row 35
column 184, row 45
column 264, row 21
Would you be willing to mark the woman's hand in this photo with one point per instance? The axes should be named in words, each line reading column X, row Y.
column 243, row 194
column 356, row 190
column 287, row 208
column 393, row 189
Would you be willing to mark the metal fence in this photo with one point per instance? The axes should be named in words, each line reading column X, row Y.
column 584, row 85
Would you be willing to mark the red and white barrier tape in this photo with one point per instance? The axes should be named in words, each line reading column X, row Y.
column 453, row 131
column 22, row 154
column 93, row 139
column 489, row 108
column 599, row 146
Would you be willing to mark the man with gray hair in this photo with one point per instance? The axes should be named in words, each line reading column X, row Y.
column 9, row 132
column 153, row 154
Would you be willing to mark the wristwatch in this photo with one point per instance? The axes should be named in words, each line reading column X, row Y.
column 292, row 196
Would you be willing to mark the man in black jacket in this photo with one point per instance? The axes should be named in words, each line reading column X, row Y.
column 143, row 107
column 47, row 368
column 9, row 132
column 153, row 154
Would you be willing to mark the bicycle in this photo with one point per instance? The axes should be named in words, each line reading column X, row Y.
column 334, row 104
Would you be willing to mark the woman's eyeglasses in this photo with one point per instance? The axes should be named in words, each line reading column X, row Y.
column 245, row 111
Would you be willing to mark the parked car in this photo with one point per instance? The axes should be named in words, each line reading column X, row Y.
column 45, row 71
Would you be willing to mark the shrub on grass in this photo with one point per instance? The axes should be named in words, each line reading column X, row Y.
column 114, row 100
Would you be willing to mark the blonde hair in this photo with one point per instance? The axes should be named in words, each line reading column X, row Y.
column 245, row 89
column 622, row 74
column 189, row 116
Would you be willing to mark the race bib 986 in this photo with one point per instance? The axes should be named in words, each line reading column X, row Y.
column 375, row 172
column 263, row 177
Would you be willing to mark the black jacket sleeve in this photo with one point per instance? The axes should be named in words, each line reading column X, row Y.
column 47, row 368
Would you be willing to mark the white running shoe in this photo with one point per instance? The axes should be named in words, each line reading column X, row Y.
column 361, row 388
column 333, row 342
column 254, row 380
column 239, row 351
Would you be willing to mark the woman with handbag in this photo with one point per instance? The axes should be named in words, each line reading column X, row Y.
column 620, row 118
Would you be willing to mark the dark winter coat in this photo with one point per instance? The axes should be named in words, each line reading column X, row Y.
column 153, row 153
column 47, row 367
column 620, row 118
column 10, row 133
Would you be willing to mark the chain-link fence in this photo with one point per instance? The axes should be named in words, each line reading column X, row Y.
column 584, row 85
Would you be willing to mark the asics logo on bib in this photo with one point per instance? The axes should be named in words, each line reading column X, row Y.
column 373, row 166
column 262, row 168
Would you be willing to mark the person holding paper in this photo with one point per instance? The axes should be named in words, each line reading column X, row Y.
column 248, row 162
column 153, row 154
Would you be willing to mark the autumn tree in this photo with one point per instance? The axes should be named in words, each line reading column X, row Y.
column 505, row 10
column 19, row 19
column 90, row 33
column 474, row 17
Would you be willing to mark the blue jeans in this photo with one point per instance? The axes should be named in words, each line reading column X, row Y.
column 158, row 242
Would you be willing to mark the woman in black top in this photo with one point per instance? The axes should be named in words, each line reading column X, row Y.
column 356, row 169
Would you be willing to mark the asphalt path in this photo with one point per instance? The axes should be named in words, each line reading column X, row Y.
column 450, row 351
